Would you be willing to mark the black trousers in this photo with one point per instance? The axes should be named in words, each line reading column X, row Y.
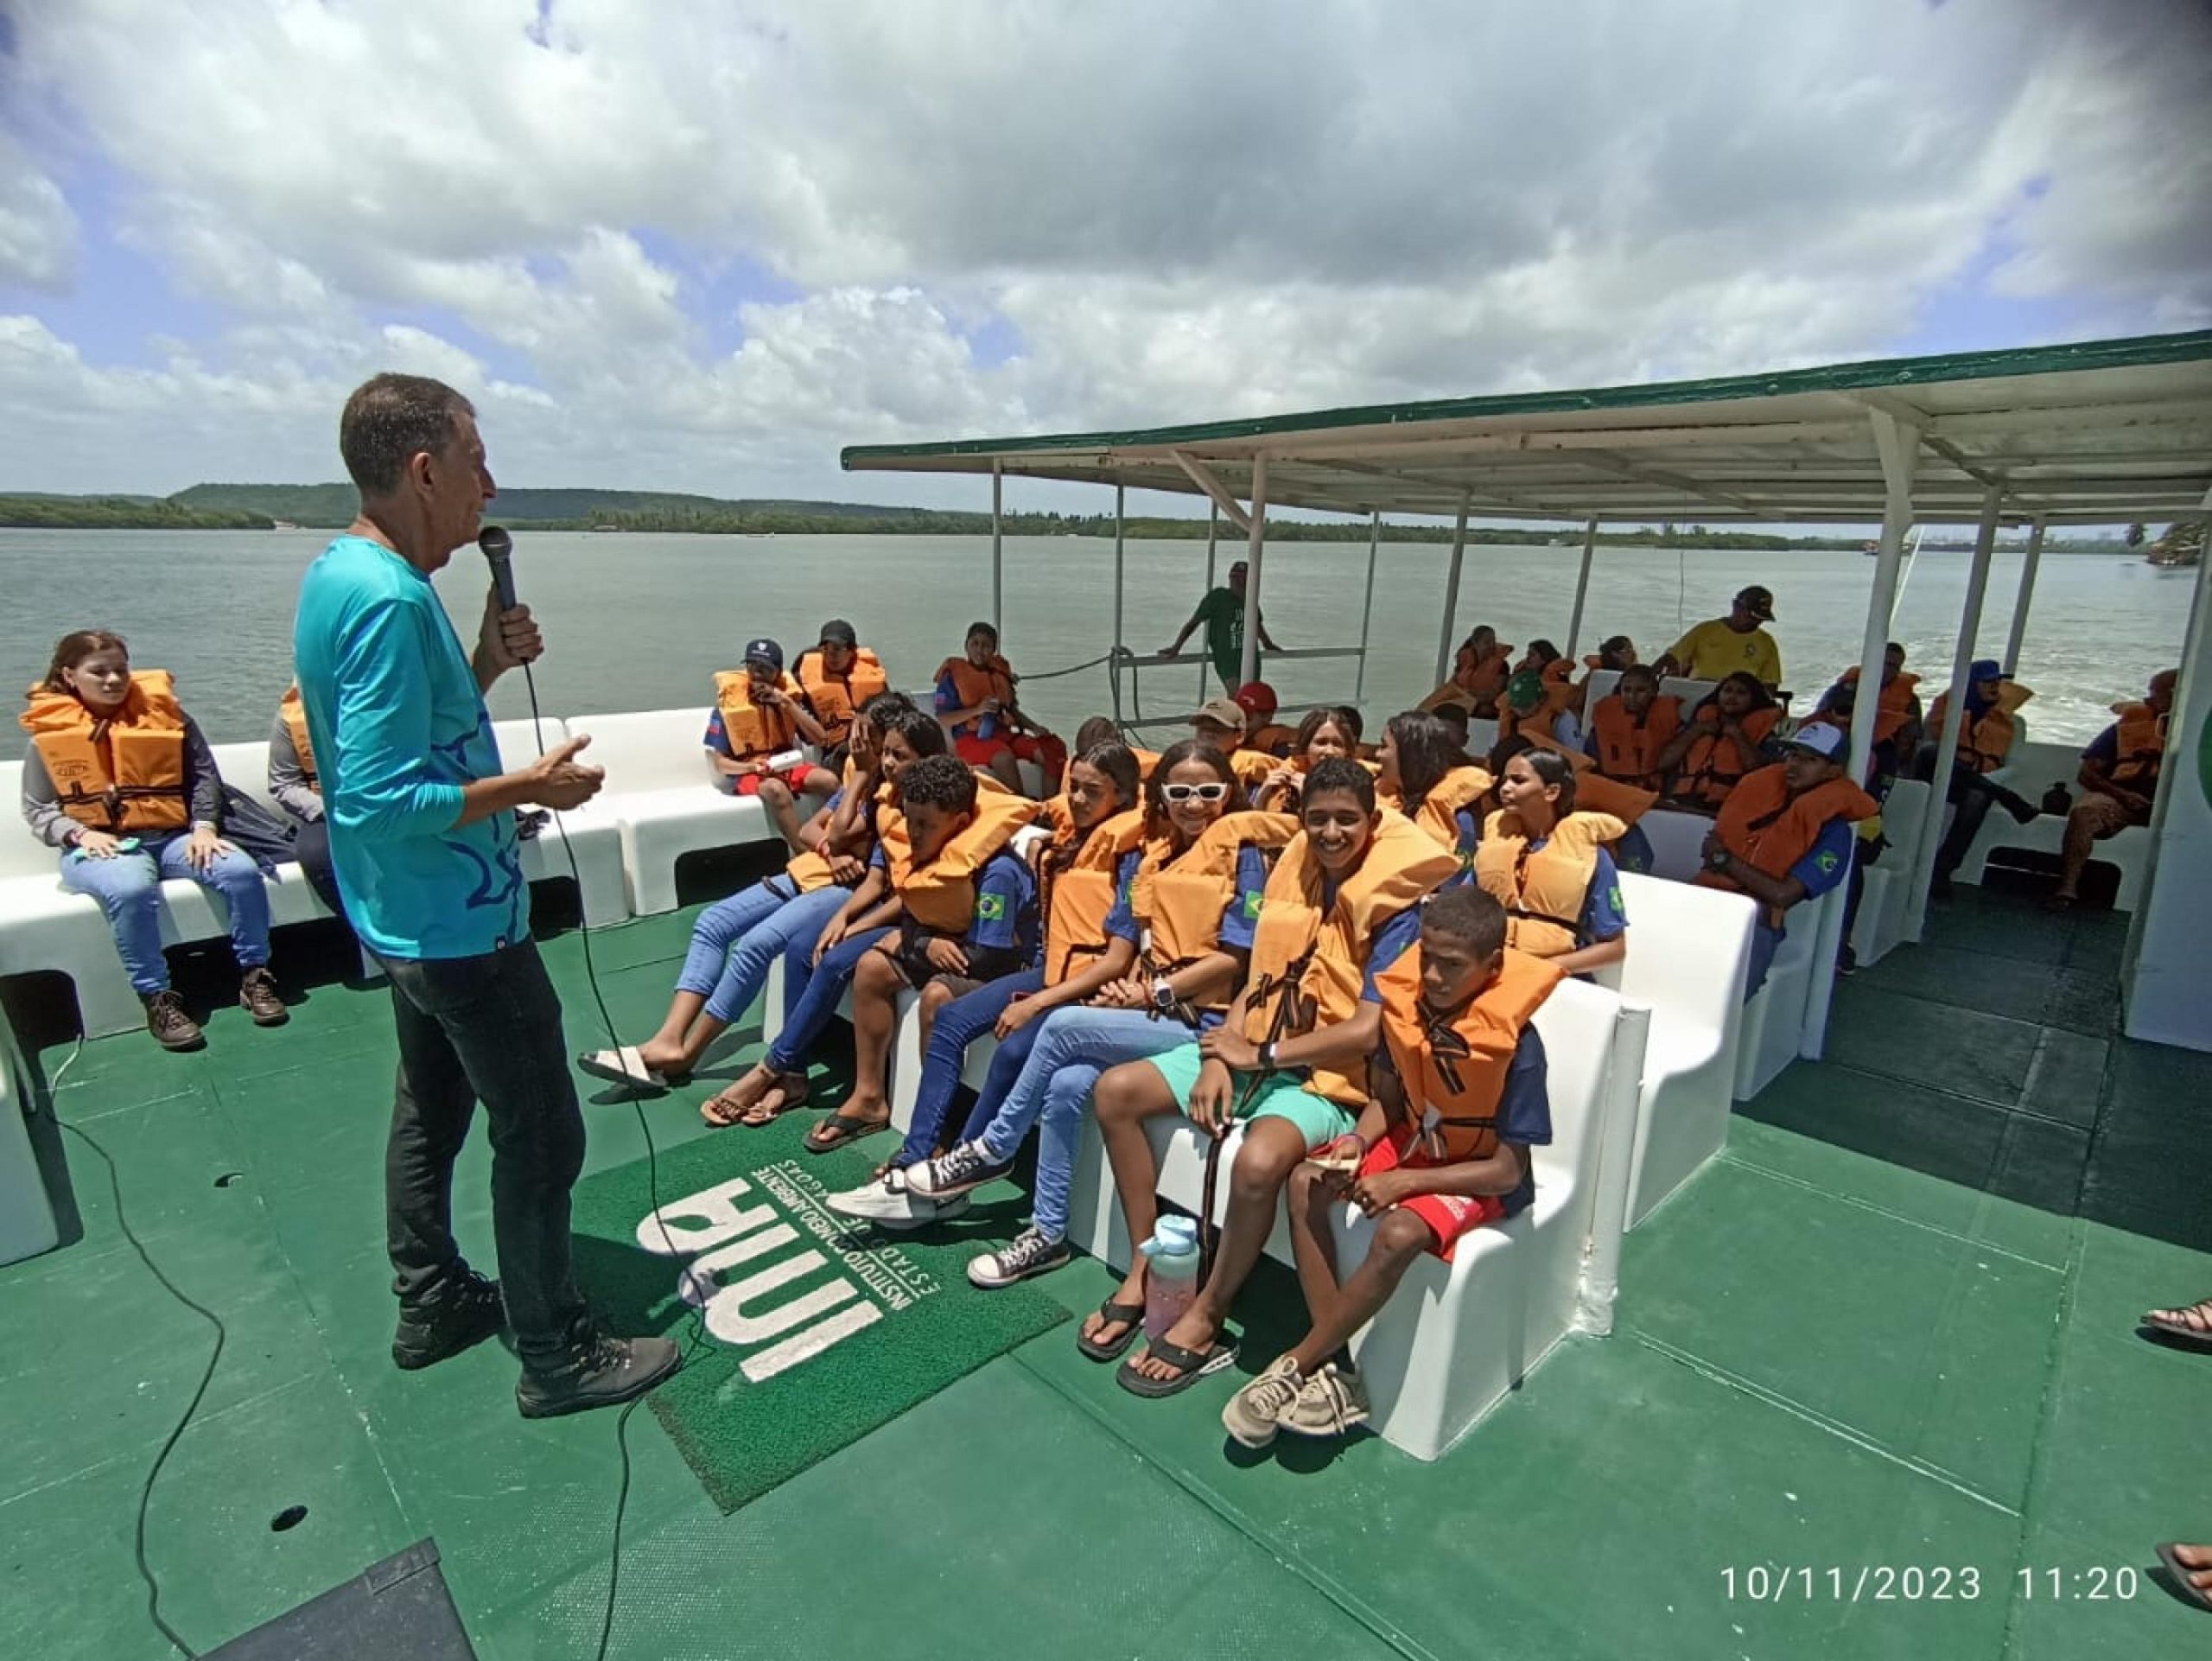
column 1973, row 796
column 486, row 1029
column 311, row 847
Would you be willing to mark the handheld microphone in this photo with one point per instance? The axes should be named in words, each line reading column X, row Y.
column 499, row 552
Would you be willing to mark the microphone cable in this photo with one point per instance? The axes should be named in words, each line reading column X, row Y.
column 698, row 1319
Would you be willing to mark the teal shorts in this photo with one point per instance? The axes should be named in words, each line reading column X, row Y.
column 1278, row 1095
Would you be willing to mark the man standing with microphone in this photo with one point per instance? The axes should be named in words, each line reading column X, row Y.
column 422, row 838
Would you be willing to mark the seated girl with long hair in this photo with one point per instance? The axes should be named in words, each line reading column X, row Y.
column 1547, row 864
column 1323, row 733
column 1723, row 739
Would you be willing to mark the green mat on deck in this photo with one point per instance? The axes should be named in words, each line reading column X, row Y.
column 818, row 1330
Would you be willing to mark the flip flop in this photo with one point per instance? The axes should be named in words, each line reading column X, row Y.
column 2181, row 1333
column 626, row 1066
column 843, row 1129
column 1131, row 1315
column 720, row 1113
column 1190, row 1366
column 2183, row 1588
column 789, row 1091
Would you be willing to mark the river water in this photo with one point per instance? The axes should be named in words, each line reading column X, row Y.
column 637, row 621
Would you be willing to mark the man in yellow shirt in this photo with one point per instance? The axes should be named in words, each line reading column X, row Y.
column 1721, row 645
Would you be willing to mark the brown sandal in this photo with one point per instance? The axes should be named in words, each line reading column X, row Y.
column 789, row 1091
column 731, row 1104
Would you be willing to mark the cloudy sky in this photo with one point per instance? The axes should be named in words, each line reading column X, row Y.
column 699, row 246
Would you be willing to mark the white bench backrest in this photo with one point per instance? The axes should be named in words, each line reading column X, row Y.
column 1577, row 1024
column 21, row 853
column 1688, row 950
column 1602, row 681
column 1677, row 843
column 650, row 749
column 1904, row 812
column 1481, row 737
column 245, row 767
column 518, row 740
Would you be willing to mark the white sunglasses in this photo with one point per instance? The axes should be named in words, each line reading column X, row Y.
column 1179, row 794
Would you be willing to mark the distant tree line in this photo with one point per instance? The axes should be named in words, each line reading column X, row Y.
column 121, row 513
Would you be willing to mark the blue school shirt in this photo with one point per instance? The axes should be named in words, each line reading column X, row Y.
column 1006, row 907
column 399, row 727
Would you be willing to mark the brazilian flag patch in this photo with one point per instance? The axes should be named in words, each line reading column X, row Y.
column 990, row 908
column 1613, row 898
column 1825, row 861
column 1252, row 899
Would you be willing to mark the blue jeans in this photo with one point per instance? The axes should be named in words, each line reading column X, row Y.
column 959, row 1024
column 812, row 991
column 1052, row 1087
column 759, row 923
column 129, row 888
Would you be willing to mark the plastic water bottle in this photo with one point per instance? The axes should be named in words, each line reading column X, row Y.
column 1172, row 1280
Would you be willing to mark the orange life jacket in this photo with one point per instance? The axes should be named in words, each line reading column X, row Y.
column 1272, row 739
column 1079, row 893
column 1544, row 891
column 972, row 686
column 755, row 731
column 2142, row 746
column 1893, row 709
column 295, row 714
column 1628, row 749
column 1985, row 740
column 1596, row 794
column 1307, row 964
column 1482, row 680
column 1179, row 897
column 1711, row 766
column 835, row 699
column 941, row 894
column 1285, row 800
column 1252, row 767
column 810, row 868
column 120, row 774
column 1454, row 1066
column 1763, row 825
column 1439, row 811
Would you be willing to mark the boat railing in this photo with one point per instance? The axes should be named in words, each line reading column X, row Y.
column 1129, row 715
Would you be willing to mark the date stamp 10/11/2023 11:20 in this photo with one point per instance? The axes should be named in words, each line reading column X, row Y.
column 1919, row 1583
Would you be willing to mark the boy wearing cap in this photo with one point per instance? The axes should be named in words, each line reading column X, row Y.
column 760, row 718
column 1257, row 699
column 1220, row 722
column 1785, row 835
column 1222, row 613
column 839, row 676
column 1721, row 645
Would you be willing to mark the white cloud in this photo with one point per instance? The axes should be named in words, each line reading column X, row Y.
column 38, row 233
column 1177, row 214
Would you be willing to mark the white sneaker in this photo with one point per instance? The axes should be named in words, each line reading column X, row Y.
column 1032, row 1252
column 888, row 1203
column 957, row 1171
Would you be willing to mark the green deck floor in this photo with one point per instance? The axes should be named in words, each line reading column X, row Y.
column 1893, row 1326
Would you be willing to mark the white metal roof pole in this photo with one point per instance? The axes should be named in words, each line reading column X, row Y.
column 1213, row 529
column 1452, row 595
column 1922, row 872
column 1247, row 670
column 1898, row 444
column 1581, row 587
column 998, row 553
column 1367, row 607
column 2019, row 634
column 2162, row 966
column 1120, row 492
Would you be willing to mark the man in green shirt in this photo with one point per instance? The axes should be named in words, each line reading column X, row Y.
column 1721, row 645
column 1222, row 613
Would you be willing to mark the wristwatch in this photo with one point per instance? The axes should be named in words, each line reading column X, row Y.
column 1163, row 995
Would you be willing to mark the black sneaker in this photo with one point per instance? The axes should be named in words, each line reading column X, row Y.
column 965, row 1166
column 462, row 1316
column 604, row 1372
column 1031, row 1253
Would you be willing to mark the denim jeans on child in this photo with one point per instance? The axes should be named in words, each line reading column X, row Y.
column 812, row 992
column 735, row 942
column 957, row 1025
column 128, row 889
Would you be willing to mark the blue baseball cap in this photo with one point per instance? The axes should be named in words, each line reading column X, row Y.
column 764, row 650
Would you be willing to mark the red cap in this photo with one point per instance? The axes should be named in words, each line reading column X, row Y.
column 1257, row 697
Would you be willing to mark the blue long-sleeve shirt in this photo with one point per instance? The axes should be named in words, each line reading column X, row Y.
column 399, row 727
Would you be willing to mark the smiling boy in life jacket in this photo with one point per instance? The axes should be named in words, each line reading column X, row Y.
column 1785, row 835
column 2119, row 780
column 1289, row 1062
column 1460, row 1097
column 761, row 716
column 839, row 676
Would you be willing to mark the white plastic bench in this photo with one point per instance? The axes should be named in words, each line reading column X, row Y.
column 661, row 794
column 1677, row 842
column 1882, row 924
column 1459, row 1335
column 1774, row 1021
column 1688, row 948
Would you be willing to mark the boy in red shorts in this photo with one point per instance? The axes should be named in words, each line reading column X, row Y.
column 759, row 720
column 975, row 701
column 1460, row 1097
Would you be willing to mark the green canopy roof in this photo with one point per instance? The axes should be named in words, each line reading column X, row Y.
column 2087, row 433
